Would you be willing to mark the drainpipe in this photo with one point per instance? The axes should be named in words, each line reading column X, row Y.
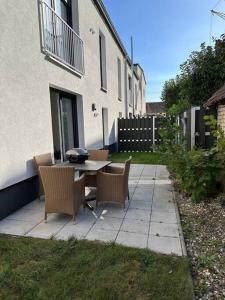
column 132, row 69
column 125, row 87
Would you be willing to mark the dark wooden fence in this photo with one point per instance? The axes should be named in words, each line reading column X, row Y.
column 138, row 134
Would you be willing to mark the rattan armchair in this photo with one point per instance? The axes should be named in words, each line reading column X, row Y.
column 42, row 160
column 101, row 155
column 112, row 185
column 62, row 193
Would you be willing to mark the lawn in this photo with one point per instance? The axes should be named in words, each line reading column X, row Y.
column 152, row 158
column 50, row 269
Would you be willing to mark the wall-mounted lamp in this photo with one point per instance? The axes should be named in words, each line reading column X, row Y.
column 93, row 107
column 92, row 31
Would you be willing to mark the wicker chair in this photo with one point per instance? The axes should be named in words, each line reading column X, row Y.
column 101, row 155
column 112, row 185
column 62, row 193
column 42, row 160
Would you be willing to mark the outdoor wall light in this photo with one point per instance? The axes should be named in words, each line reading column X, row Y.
column 93, row 107
column 92, row 31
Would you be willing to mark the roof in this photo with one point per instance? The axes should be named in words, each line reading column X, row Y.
column 102, row 9
column 217, row 97
column 155, row 108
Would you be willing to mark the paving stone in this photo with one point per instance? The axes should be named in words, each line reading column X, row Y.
column 108, row 223
column 137, row 226
column 164, row 217
column 114, row 212
column 16, row 227
column 27, row 215
column 49, row 229
column 143, row 194
column 140, row 204
column 137, row 214
column 101, row 235
column 163, row 206
column 132, row 239
column 164, row 229
column 166, row 245
column 77, row 232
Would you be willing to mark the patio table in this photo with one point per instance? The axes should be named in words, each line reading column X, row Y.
column 87, row 166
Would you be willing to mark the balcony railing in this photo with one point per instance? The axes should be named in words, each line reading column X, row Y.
column 60, row 41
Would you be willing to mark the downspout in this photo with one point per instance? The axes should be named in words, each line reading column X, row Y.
column 125, row 87
column 132, row 70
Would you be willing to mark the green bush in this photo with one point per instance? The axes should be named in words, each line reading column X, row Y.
column 199, row 171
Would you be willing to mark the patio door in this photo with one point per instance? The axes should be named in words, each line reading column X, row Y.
column 64, row 123
column 105, row 127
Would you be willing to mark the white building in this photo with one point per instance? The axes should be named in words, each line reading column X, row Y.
column 65, row 79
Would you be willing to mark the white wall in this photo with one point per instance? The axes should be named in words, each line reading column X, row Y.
column 26, row 76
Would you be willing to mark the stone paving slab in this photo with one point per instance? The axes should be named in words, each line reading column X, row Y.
column 149, row 220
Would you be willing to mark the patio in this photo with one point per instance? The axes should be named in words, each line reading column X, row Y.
column 150, row 219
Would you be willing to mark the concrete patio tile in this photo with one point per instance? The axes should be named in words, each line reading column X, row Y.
column 162, row 172
column 164, row 217
column 137, row 226
column 165, row 245
column 49, row 229
column 164, row 229
column 16, row 227
column 137, row 214
column 27, row 215
column 140, row 204
column 36, row 204
column 108, row 223
column 163, row 206
column 77, row 232
column 101, row 235
column 131, row 239
column 113, row 212
column 146, row 183
column 142, row 194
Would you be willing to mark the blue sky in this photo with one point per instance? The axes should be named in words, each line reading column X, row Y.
column 165, row 32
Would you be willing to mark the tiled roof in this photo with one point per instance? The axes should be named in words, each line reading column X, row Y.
column 155, row 107
column 217, row 97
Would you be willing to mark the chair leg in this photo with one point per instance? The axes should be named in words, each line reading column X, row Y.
column 45, row 217
column 74, row 219
column 128, row 196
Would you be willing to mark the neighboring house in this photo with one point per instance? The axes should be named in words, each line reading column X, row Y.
column 65, row 79
column 218, row 101
column 155, row 108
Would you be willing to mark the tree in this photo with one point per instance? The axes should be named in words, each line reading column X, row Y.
column 202, row 74
column 170, row 92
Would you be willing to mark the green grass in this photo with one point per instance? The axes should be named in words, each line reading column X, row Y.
column 152, row 158
column 49, row 269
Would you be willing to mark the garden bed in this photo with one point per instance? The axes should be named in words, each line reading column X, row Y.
column 204, row 231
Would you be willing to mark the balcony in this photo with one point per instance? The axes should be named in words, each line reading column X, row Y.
column 60, row 41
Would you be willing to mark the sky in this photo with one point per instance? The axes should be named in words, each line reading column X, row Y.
column 165, row 32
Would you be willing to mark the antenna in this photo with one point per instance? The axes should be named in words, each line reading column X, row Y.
column 219, row 14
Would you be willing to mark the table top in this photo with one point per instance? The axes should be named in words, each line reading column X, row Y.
column 89, row 165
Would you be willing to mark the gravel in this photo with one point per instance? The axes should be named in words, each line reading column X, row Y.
column 204, row 231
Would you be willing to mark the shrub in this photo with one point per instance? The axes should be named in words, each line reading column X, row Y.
column 199, row 171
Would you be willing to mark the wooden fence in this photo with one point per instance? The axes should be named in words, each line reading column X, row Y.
column 138, row 134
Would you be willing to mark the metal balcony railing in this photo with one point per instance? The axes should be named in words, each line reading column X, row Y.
column 60, row 41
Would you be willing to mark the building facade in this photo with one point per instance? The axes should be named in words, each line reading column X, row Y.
column 65, row 79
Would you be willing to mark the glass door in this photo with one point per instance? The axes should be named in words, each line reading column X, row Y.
column 64, row 123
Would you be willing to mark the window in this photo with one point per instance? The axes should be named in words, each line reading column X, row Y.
column 130, row 90
column 102, row 52
column 136, row 96
column 119, row 79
